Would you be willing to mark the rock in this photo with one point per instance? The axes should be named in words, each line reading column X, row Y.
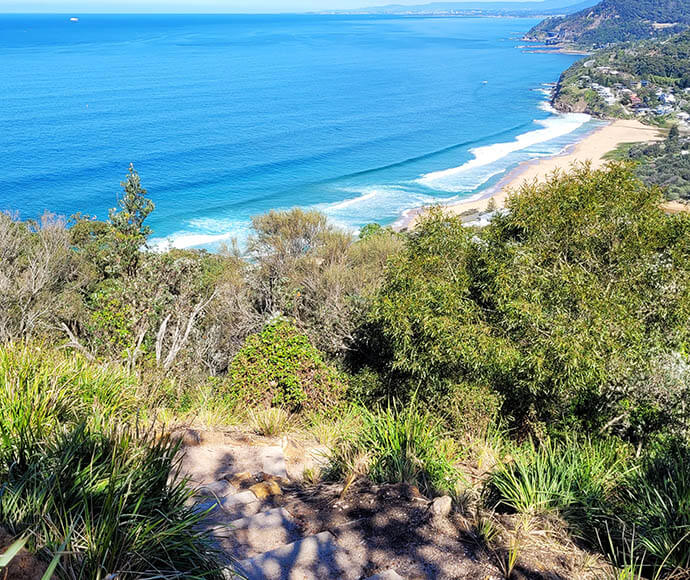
column 266, row 489
column 239, row 480
column 273, row 460
column 441, row 506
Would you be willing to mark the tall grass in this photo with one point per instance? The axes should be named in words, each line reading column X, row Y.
column 570, row 477
column 76, row 480
column 397, row 445
column 635, row 511
column 655, row 503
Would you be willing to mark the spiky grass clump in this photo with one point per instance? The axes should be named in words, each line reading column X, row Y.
column 655, row 507
column 569, row 477
column 636, row 511
column 271, row 422
column 79, row 483
column 397, row 445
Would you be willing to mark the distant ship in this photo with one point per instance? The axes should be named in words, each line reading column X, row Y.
column 74, row 19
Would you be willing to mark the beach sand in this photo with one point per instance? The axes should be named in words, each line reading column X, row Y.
column 592, row 148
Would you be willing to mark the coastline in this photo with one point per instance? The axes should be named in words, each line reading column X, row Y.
column 593, row 147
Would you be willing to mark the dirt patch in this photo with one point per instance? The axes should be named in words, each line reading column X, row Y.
column 392, row 526
column 24, row 566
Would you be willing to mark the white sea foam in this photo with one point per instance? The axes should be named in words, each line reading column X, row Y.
column 340, row 205
column 202, row 233
column 376, row 201
column 456, row 178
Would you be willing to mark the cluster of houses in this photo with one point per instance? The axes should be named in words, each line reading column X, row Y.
column 637, row 97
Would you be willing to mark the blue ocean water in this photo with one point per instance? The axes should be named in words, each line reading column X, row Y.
column 226, row 117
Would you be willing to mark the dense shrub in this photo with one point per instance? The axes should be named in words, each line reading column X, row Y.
column 563, row 306
column 280, row 367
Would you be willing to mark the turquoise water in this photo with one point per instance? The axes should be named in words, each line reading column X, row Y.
column 229, row 116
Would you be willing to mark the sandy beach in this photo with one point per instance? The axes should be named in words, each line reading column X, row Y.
column 592, row 148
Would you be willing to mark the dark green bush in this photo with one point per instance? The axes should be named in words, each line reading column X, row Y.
column 280, row 367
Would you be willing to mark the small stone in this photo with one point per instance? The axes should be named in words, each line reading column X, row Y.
column 441, row 506
column 239, row 480
column 269, row 477
column 266, row 489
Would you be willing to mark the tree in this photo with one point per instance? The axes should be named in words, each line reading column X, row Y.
column 563, row 306
column 128, row 221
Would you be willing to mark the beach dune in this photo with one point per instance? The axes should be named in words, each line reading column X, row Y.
column 593, row 148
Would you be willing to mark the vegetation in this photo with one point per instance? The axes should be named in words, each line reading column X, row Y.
column 666, row 164
column 279, row 367
column 460, row 360
column 83, row 486
column 613, row 21
column 647, row 79
column 396, row 445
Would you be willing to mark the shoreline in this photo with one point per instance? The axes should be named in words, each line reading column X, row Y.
column 593, row 147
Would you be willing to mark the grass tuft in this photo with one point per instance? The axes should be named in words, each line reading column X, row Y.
column 397, row 445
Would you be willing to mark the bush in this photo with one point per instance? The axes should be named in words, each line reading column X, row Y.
column 562, row 305
column 397, row 445
column 79, row 483
column 279, row 367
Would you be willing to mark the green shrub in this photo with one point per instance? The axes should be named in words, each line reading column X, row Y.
column 280, row 367
column 397, row 445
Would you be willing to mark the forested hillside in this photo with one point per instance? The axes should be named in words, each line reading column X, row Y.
column 613, row 21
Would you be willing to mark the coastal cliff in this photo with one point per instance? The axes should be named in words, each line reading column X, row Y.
column 648, row 80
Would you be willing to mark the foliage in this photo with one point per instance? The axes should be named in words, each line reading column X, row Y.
column 280, row 367
column 634, row 510
column 571, row 477
column 76, row 483
column 655, row 506
column 319, row 276
column 641, row 70
column 270, row 422
column 666, row 164
column 397, row 444
column 563, row 305
column 39, row 278
column 615, row 21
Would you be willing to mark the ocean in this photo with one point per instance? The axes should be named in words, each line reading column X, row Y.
column 226, row 117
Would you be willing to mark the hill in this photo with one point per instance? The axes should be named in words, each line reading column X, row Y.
column 647, row 79
column 613, row 21
column 542, row 8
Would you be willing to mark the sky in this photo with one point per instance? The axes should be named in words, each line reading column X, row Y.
column 233, row 6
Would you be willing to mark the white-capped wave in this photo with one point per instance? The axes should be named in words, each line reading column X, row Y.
column 372, row 193
column 452, row 179
column 202, row 233
column 375, row 202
